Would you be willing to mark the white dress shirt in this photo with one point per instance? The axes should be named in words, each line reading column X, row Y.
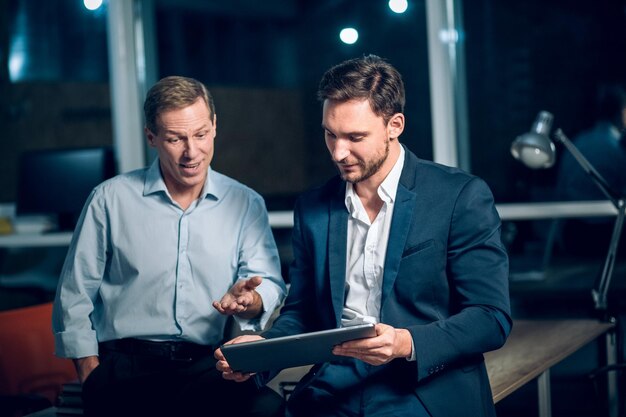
column 366, row 250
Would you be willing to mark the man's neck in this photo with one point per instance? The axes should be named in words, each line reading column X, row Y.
column 184, row 197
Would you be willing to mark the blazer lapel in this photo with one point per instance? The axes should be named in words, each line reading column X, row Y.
column 337, row 241
column 401, row 223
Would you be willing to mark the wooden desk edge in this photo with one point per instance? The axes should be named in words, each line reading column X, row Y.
column 597, row 330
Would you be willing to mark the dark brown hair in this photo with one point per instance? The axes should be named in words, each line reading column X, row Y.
column 371, row 78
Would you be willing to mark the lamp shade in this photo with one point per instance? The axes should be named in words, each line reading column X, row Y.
column 535, row 149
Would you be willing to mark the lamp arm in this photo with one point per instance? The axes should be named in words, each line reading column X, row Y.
column 600, row 294
column 588, row 168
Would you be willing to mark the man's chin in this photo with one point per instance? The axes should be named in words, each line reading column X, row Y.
column 352, row 178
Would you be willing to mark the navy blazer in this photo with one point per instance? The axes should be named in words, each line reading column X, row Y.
column 445, row 280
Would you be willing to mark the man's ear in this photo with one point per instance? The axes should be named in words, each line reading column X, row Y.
column 149, row 136
column 395, row 126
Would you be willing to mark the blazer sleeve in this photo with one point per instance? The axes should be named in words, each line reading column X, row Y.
column 478, row 317
column 295, row 316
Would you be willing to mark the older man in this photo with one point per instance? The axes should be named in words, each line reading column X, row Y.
column 160, row 258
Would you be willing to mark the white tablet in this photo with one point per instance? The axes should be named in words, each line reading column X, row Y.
column 289, row 351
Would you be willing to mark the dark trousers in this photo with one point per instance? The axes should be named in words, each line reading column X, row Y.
column 351, row 388
column 130, row 384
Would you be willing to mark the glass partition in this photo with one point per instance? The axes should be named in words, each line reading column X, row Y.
column 562, row 57
column 263, row 65
column 524, row 57
column 54, row 81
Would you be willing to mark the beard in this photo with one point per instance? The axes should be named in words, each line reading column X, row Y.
column 367, row 168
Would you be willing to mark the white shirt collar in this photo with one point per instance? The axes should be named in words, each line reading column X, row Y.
column 154, row 183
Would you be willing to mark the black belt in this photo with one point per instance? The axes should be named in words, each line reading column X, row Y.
column 177, row 351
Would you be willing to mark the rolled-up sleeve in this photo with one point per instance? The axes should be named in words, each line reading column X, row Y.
column 80, row 280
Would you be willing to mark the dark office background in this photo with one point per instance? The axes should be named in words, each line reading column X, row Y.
column 263, row 60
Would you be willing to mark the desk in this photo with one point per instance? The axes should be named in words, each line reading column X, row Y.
column 43, row 271
column 533, row 347
column 277, row 220
column 26, row 240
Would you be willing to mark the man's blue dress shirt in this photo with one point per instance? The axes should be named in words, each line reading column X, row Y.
column 140, row 266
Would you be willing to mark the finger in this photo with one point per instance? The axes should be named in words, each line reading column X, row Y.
column 245, row 377
column 223, row 366
column 230, row 306
column 368, row 343
column 245, row 300
column 359, row 350
column 219, row 355
column 339, row 350
column 239, row 377
column 236, row 376
column 229, row 375
column 226, row 308
column 352, row 353
column 237, row 308
column 368, row 357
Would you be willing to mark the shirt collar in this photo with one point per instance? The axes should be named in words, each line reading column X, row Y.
column 154, row 183
column 387, row 189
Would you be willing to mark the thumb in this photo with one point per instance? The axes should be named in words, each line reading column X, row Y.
column 253, row 282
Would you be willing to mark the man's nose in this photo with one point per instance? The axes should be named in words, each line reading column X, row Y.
column 340, row 150
column 190, row 148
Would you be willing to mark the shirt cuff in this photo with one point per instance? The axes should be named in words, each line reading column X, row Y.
column 73, row 344
column 412, row 358
column 271, row 296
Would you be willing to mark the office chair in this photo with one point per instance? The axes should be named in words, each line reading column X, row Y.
column 31, row 377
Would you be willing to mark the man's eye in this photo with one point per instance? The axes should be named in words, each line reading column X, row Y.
column 328, row 134
column 356, row 138
column 172, row 140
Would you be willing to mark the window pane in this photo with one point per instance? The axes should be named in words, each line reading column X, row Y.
column 263, row 65
column 523, row 57
column 54, row 88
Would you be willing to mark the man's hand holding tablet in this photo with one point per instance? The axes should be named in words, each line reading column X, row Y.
column 241, row 357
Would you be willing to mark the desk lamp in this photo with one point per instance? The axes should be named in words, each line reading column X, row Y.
column 536, row 150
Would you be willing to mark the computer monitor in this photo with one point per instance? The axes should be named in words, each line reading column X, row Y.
column 57, row 182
